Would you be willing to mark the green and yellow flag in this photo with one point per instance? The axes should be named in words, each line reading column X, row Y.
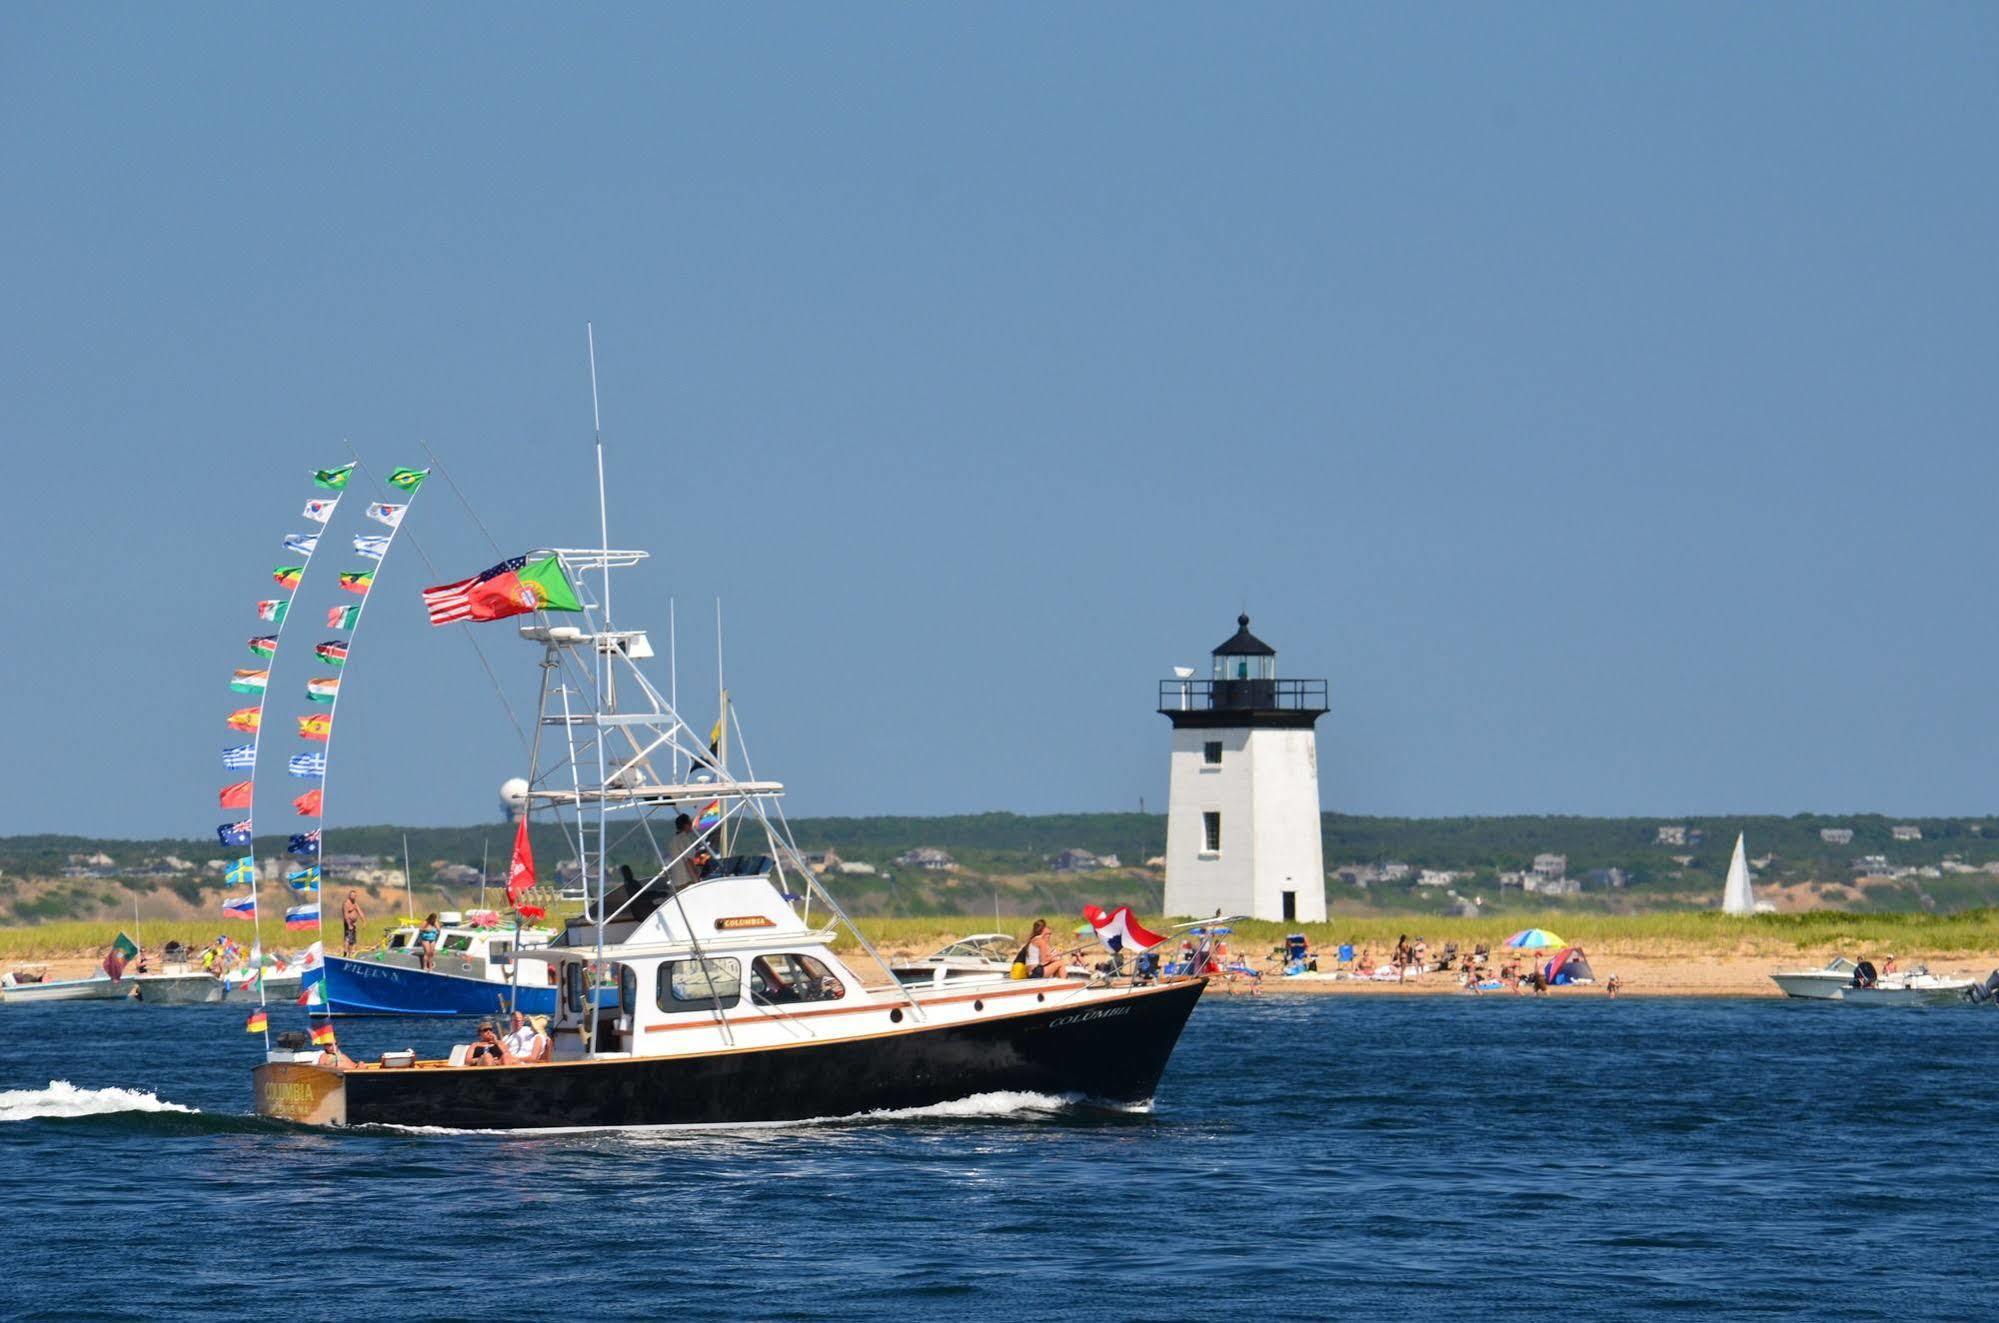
column 334, row 480
column 407, row 480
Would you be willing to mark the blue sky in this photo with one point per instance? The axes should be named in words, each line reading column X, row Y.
column 1601, row 397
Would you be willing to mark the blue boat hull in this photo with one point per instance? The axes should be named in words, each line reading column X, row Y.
column 364, row 987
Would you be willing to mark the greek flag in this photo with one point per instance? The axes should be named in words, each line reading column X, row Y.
column 301, row 543
column 373, row 546
column 307, row 764
column 239, row 757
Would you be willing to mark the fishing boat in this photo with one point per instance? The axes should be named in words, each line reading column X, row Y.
column 475, row 970
column 1921, row 988
column 982, row 957
column 98, row 987
column 732, row 1004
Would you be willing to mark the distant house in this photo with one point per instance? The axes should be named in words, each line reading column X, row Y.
column 1157, row 861
column 1672, row 835
column 1876, row 864
column 855, row 868
column 1906, row 833
column 1606, row 879
column 1075, row 861
column 1395, row 871
column 455, row 875
column 1541, row 885
column 823, row 861
column 1551, row 866
column 1435, row 877
column 927, row 857
column 1836, row 835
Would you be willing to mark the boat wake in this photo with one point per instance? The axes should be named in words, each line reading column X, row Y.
column 63, row 1099
column 999, row 1106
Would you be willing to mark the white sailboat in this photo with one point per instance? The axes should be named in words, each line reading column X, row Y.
column 1737, row 897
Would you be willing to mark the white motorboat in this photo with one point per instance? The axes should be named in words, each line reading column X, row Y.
column 978, row 958
column 1827, row 984
column 1920, row 988
column 98, row 987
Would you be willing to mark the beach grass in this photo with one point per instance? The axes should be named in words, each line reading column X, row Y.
column 1679, row 933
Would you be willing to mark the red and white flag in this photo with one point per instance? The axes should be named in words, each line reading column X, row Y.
column 520, row 873
column 448, row 603
column 1119, row 930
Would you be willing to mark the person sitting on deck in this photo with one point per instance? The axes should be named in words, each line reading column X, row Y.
column 486, row 1049
column 519, row 1045
column 543, row 1045
column 332, row 1056
column 1042, row 961
column 426, row 941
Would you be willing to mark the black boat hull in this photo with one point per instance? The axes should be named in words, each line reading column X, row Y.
column 1111, row 1051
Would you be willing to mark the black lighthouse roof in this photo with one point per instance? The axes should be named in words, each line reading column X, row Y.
column 1244, row 643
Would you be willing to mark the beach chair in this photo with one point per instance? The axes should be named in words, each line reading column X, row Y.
column 1346, row 955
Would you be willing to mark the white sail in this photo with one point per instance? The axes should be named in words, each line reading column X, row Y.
column 1736, row 895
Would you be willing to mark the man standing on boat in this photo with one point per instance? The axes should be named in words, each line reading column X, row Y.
column 351, row 915
column 681, row 851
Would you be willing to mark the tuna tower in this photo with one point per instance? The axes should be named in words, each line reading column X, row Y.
column 1242, row 817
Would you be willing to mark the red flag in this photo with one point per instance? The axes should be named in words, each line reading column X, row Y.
column 308, row 803
column 520, row 874
column 236, row 795
column 531, row 912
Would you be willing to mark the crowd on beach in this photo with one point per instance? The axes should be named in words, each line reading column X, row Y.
column 1522, row 972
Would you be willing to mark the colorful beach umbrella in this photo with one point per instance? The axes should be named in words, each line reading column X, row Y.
column 1533, row 939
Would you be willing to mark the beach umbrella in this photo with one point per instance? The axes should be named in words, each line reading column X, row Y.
column 1533, row 939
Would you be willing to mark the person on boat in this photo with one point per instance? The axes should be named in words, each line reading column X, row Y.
column 1887, row 965
column 351, row 915
column 426, row 941
column 543, row 1045
column 486, row 1049
column 1039, row 953
column 332, row 1056
column 681, row 851
column 519, row 1045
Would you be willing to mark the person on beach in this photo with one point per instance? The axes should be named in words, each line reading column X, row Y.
column 351, row 915
column 1611, row 986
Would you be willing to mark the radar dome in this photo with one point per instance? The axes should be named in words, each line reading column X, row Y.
column 514, row 794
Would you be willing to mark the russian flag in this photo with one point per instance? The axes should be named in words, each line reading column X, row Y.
column 302, row 916
column 1118, row 929
column 240, row 907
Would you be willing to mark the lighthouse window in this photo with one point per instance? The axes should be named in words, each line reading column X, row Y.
column 1211, row 753
column 1211, row 830
column 699, row 985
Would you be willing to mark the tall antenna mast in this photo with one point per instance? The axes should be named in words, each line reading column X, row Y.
column 603, row 511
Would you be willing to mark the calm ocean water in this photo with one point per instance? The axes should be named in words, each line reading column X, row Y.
column 1307, row 1157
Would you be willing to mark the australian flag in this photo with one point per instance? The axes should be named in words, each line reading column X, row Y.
column 239, row 758
column 303, row 843
column 234, row 833
column 307, row 764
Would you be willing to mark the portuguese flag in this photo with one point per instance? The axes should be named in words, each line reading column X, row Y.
column 122, row 951
column 528, row 585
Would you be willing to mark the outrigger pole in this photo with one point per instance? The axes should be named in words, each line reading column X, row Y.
column 604, row 696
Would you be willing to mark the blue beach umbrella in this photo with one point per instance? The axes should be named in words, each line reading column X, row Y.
column 1533, row 939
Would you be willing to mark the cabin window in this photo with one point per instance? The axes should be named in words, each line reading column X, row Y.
column 780, row 980
column 700, row 985
column 398, row 941
column 462, row 942
column 572, row 987
column 1211, row 753
column 498, row 949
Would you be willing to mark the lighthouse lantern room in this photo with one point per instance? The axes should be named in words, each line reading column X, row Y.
column 1242, row 821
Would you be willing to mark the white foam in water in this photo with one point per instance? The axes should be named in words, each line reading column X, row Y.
column 62, row 1098
column 980, row 1106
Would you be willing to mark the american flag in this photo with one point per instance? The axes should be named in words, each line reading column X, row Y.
column 450, row 602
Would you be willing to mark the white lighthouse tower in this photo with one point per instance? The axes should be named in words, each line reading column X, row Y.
column 1242, row 819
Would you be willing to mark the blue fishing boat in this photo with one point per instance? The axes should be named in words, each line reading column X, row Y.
column 478, row 967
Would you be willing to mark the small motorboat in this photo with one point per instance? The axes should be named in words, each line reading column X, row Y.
column 1827, row 984
column 978, row 958
column 98, row 987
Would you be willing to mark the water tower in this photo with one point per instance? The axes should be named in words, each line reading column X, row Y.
column 1242, row 818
